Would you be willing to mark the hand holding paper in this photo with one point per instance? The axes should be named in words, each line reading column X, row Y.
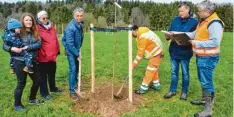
column 181, row 38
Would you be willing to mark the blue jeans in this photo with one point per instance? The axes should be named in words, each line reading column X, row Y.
column 175, row 74
column 205, row 69
column 73, row 73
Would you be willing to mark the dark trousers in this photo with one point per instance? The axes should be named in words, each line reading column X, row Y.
column 47, row 72
column 21, row 81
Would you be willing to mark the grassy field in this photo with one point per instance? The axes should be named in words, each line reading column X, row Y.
column 61, row 105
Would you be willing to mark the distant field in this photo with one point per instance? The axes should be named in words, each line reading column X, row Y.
column 61, row 104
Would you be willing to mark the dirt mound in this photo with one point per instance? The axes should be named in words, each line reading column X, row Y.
column 101, row 103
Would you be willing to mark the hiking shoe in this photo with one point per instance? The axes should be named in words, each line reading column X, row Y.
column 183, row 96
column 74, row 97
column 19, row 108
column 156, row 88
column 36, row 102
column 169, row 95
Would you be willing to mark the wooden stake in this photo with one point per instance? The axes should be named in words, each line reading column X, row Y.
column 55, row 27
column 62, row 29
column 79, row 75
column 130, row 63
column 92, row 59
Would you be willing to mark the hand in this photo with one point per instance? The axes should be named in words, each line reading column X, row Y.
column 25, row 48
column 133, row 68
column 167, row 36
column 78, row 58
column 16, row 50
column 193, row 42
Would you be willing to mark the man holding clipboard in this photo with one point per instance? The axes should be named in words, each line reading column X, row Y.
column 180, row 50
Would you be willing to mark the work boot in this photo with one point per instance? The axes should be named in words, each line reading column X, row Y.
column 183, row 96
column 142, row 90
column 207, row 112
column 169, row 95
column 155, row 86
column 202, row 101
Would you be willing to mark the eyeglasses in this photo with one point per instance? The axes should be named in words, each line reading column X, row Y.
column 44, row 18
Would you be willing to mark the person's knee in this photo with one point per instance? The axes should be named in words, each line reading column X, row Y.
column 73, row 69
column 21, row 85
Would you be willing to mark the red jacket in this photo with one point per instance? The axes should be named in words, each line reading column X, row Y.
column 49, row 45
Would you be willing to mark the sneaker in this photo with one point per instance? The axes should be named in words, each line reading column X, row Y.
column 57, row 90
column 183, row 96
column 47, row 97
column 19, row 108
column 12, row 71
column 74, row 97
column 36, row 102
column 169, row 95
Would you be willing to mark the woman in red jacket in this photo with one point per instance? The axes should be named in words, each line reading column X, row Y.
column 47, row 55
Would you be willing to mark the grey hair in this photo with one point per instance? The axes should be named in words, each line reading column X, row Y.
column 207, row 5
column 184, row 3
column 78, row 9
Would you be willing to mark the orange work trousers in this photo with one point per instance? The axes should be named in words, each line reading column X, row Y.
column 151, row 73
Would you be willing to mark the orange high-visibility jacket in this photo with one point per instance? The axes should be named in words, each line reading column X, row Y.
column 202, row 34
column 148, row 43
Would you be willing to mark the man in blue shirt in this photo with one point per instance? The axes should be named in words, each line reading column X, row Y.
column 185, row 22
column 72, row 41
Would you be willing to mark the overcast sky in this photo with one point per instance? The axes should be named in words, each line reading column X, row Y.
column 161, row 1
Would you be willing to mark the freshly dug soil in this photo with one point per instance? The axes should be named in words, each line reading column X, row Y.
column 101, row 103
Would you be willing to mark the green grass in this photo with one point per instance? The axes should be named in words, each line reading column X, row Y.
column 61, row 104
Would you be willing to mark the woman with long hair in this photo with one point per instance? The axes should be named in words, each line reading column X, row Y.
column 30, row 36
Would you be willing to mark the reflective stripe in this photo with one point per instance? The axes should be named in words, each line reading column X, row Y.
column 138, row 57
column 156, row 81
column 156, row 84
column 144, row 88
column 206, row 51
column 152, row 51
column 151, row 68
column 158, row 52
column 150, row 35
column 135, row 61
column 144, row 84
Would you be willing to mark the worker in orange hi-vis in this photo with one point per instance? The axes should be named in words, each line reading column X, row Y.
column 149, row 46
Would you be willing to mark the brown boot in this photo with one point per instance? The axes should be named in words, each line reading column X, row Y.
column 74, row 97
